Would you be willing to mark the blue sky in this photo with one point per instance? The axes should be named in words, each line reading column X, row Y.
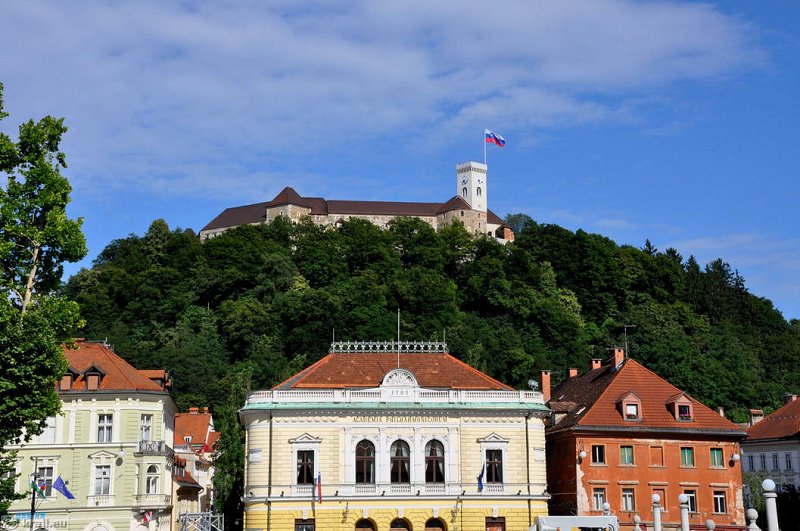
column 673, row 121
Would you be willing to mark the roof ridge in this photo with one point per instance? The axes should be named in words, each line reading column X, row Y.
column 476, row 371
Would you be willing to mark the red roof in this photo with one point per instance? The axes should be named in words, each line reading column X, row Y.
column 780, row 424
column 195, row 424
column 118, row 374
column 256, row 213
column 367, row 369
column 596, row 394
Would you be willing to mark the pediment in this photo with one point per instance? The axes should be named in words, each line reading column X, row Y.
column 399, row 378
column 680, row 398
column 493, row 438
column 629, row 396
column 305, row 439
column 103, row 454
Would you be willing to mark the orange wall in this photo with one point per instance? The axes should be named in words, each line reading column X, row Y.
column 571, row 483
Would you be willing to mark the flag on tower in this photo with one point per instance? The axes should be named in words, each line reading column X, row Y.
column 494, row 138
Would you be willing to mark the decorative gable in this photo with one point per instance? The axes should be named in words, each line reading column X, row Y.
column 399, row 378
column 305, row 439
column 630, row 406
column 681, row 407
column 493, row 438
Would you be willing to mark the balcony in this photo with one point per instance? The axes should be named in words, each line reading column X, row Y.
column 100, row 500
column 152, row 448
column 152, row 501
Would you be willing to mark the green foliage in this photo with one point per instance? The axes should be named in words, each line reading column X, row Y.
column 36, row 237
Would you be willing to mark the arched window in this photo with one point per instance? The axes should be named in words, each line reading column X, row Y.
column 400, row 462
column 434, row 462
column 365, row 524
column 479, row 191
column 434, row 524
column 152, row 480
column 399, row 523
column 365, row 462
column 464, row 192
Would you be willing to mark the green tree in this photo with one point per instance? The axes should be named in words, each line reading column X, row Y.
column 36, row 237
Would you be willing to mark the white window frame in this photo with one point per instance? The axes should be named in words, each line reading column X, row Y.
column 146, row 427
column 633, row 458
column 48, row 490
column 599, row 497
column 788, row 462
column 96, row 476
column 692, row 495
column 105, row 428
column 720, row 502
column 308, row 442
column 628, row 500
column 48, row 435
column 492, row 442
column 153, row 478
column 602, row 448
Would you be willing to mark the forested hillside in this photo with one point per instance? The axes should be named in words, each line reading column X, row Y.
column 271, row 296
column 247, row 309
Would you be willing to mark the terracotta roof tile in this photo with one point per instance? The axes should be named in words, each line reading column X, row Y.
column 241, row 215
column 781, row 423
column 597, row 392
column 197, row 425
column 351, row 370
column 119, row 375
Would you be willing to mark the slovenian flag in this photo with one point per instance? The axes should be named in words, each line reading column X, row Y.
column 494, row 138
column 319, row 486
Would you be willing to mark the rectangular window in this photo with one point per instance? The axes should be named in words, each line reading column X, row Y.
column 751, row 463
column 687, row 456
column 48, row 435
column 598, row 498
column 788, row 458
column 495, row 524
column 775, row 462
column 494, row 466
column 763, row 461
column 102, row 480
column 304, row 525
column 305, row 467
column 632, row 411
column 44, row 474
column 626, row 455
column 104, row 428
column 692, row 500
column 662, row 493
column 598, row 454
column 684, row 413
column 717, row 458
column 720, row 504
column 146, row 428
column 628, row 500
column 656, row 456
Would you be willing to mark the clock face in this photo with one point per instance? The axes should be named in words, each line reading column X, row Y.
column 463, row 181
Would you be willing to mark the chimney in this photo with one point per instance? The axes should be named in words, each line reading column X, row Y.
column 619, row 356
column 789, row 397
column 573, row 373
column 205, row 409
column 595, row 364
column 756, row 416
column 544, row 384
column 721, row 411
column 193, row 411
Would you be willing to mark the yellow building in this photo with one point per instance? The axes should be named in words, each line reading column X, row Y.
column 393, row 436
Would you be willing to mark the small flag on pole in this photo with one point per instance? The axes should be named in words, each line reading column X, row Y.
column 61, row 487
column 319, row 486
column 480, row 478
column 494, row 138
column 147, row 517
column 39, row 489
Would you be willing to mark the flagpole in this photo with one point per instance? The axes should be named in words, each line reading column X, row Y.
column 484, row 149
column 33, row 489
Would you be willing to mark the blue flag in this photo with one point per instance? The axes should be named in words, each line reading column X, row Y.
column 480, row 478
column 59, row 485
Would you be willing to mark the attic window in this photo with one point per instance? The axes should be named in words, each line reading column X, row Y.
column 92, row 382
column 684, row 412
column 681, row 408
column 632, row 411
column 630, row 407
column 66, row 382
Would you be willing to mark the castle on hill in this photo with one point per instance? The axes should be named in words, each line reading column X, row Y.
column 469, row 206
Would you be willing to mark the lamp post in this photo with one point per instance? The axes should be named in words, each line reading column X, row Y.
column 606, row 508
column 770, row 505
column 683, row 500
column 656, row 512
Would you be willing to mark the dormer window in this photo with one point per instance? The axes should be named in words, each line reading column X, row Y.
column 93, row 376
column 67, row 379
column 681, row 408
column 630, row 406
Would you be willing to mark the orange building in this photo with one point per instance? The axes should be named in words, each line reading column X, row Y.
column 620, row 434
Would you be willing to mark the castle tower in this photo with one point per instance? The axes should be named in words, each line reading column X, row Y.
column 471, row 184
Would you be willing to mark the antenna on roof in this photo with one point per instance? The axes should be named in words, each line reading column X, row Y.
column 625, row 331
column 334, row 336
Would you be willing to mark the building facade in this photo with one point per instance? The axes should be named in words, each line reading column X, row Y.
column 772, row 447
column 469, row 206
column 393, row 436
column 109, row 445
column 194, row 446
column 621, row 434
